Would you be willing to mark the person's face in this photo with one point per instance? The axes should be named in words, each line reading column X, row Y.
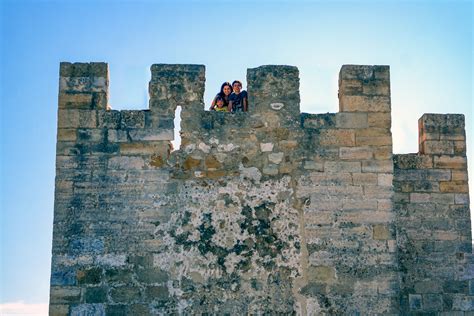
column 227, row 90
column 237, row 87
column 220, row 103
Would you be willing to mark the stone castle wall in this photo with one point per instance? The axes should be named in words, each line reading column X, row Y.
column 269, row 211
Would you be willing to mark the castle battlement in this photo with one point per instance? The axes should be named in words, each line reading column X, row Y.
column 267, row 211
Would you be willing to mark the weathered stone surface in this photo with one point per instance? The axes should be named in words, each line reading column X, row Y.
column 269, row 212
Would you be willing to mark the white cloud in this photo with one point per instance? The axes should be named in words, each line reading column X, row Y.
column 21, row 308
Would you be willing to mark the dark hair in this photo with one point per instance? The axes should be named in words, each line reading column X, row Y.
column 236, row 81
column 222, row 94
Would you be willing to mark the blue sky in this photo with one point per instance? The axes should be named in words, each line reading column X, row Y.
column 428, row 45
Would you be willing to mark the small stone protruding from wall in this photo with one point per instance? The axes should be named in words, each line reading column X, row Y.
column 83, row 86
column 442, row 134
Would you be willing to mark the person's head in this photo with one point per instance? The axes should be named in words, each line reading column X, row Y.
column 219, row 102
column 236, row 86
column 226, row 89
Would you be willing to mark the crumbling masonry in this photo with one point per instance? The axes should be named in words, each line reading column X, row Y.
column 272, row 211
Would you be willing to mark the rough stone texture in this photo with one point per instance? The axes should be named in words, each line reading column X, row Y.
column 433, row 220
column 272, row 211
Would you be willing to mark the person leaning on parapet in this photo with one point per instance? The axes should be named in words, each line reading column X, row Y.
column 224, row 94
column 220, row 107
column 238, row 100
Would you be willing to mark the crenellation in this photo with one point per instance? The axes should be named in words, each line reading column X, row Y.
column 442, row 134
column 436, row 179
column 263, row 212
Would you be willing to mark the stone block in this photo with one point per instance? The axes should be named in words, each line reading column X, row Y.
column 212, row 163
column 356, row 72
column 364, row 178
column 420, row 197
column 459, row 148
column 377, row 192
column 367, row 217
column 442, row 198
column 118, row 310
column 125, row 294
column 350, row 86
column 415, row 301
column 275, row 158
column 351, row 120
column 58, row 310
column 314, row 289
column 320, row 178
column 356, row 153
column 96, row 69
column 145, row 148
column 379, row 119
column 385, row 179
column 312, row 165
column 66, row 134
column 362, row 103
column 381, row 232
column 63, row 276
column 126, row 163
column 152, row 275
column 437, row 175
column 157, row 292
column 336, row 137
column 151, row 134
column 109, row 119
column 463, row 303
column 454, row 286
column 287, row 144
column 356, row 205
column 342, row 166
column 412, row 161
column 65, row 295
column 461, row 198
column 445, row 147
column 86, row 84
column 450, row 162
column 95, row 294
column 89, row 276
column 191, row 163
column 88, row 309
column 70, row 100
column 322, row 274
column 68, row 118
column 376, row 87
column 85, row 135
column 459, row 175
column 270, row 169
column 373, row 140
column 454, row 186
column 118, row 275
column 432, row 302
column 430, row 286
column 132, row 119
column 319, row 121
column 111, row 260
column 117, row 136
column 383, row 152
column 377, row 166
